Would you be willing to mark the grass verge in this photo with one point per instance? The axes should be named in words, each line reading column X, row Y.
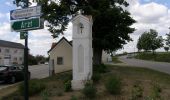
column 161, row 57
column 132, row 79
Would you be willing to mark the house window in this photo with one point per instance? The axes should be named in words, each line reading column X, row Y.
column 6, row 50
column 15, row 59
column 20, row 58
column 59, row 60
column 15, row 51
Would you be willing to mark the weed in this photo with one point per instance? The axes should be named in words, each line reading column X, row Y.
column 137, row 92
column 45, row 94
column 96, row 77
column 73, row 97
column 35, row 86
column 89, row 90
column 113, row 85
column 67, row 86
column 156, row 90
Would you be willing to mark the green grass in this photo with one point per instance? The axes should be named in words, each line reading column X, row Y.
column 116, row 60
column 129, row 76
column 160, row 57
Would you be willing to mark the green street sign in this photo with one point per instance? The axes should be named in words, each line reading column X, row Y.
column 28, row 24
column 23, row 35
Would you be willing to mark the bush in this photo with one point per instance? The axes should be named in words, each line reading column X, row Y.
column 73, row 97
column 67, row 86
column 35, row 86
column 156, row 91
column 100, row 68
column 96, row 77
column 89, row 90
column 137, row 92
column 113, row 85
column 45, row 94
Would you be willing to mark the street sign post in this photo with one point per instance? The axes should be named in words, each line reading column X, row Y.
column 28, row 24
column 23, row 26
column 23, row 35
column 25, row 13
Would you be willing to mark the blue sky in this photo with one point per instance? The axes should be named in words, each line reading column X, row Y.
column 164, row 2
column 148, row 14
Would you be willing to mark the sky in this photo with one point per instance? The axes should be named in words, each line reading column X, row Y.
column 149, row 14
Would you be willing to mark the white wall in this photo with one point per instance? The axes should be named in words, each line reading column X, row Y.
column 63, row 49
column 12, row 54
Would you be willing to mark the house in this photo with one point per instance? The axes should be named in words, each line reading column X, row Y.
column 61, row 55
column 11, row 53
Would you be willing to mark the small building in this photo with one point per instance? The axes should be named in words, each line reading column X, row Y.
column 61, row 55
column 11, row 53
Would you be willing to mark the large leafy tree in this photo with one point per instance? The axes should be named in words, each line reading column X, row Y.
column 111, row 23
column 150, row 41
column 168, row 39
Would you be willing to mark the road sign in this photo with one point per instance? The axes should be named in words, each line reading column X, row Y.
column 23, row 35
column 25, row 25
column 25, row 13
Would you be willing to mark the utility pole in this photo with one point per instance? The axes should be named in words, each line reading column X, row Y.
column 26, row 87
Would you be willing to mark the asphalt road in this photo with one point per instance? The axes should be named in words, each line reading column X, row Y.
column 159, row 66
column 37, row 72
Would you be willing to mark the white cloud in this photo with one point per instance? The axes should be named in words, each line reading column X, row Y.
column 150, row 15
column 4, row 28
column 9, row 3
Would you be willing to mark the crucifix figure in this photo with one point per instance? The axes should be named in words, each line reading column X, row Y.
column 81, row 27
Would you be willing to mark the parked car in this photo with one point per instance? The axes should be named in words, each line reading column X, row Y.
column 129, row 56
column 46, row 63
column 12, row 73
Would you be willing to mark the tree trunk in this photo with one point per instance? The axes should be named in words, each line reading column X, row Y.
column 97, row 56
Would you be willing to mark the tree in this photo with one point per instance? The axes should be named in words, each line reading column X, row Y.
column 139, row 45
column 111, row 23
column 168, row 39
column 40, row 58
column 32, row 60
column 150, row 41
column 166, row 49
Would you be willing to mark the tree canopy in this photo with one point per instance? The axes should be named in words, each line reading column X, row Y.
column 111, row 22
column 150, row 41
column 168, row 39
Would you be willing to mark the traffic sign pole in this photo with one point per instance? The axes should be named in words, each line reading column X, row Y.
column 23, row 26
column 26, row 87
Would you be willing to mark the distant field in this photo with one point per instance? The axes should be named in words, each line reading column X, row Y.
column 160, row 56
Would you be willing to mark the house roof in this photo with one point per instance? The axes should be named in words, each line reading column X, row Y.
column 55, row 44
column 9, row 44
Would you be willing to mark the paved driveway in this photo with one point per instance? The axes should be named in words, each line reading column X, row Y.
column 159, row 66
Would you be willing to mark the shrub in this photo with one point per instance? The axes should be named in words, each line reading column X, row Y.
column 156, row 90
column 100, row 68
column 73, row 97
column 113, row 85
column 35, row 86
column 59, row 93
column 67, row 86
column 89, row 90
column 45, row 94
column 96, row 77
column 137, row 92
